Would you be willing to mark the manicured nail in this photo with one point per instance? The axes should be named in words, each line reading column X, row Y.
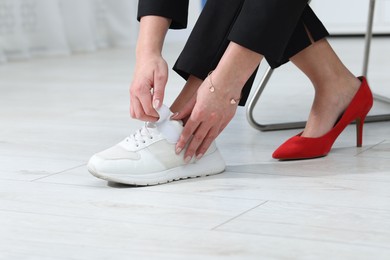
column 199, row 156
column 174, row 115
column 156, row 104
column 178, row 150
column 187, row 159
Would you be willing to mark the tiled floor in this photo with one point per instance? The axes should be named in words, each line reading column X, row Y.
column 55, row 113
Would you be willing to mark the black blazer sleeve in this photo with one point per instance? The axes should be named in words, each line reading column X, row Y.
column 177, row 10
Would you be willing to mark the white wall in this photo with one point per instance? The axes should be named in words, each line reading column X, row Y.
column 182, row 35
column 30, row 28
column 343, row 17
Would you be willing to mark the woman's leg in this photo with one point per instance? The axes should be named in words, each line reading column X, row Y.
column 334, row 86
column 188, row 91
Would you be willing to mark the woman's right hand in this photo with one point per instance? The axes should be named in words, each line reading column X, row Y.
column 151, row 70
column 148, row 86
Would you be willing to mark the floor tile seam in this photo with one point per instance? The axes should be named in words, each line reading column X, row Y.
column 55, row 173
column 370, row 147
column 329, row 241
column 239, row 215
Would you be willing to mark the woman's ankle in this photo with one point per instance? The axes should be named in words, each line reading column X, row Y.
column 330, row 102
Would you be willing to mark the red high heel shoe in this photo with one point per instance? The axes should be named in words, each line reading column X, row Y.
column 299, row 147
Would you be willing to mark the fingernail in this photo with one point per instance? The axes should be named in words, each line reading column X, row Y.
column 187, row 159
column 199, row 156
column 156, row 104
column 174, row 115
column 178, row 150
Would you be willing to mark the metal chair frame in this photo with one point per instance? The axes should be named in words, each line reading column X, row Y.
column 301, row 124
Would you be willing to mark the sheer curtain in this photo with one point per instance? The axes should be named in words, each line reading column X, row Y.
column 31, row 28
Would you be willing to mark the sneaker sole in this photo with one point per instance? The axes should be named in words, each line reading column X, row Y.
column 211, row 164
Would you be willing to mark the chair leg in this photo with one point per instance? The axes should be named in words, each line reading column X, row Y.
column 293, row 125
column 368, row 37
column 370, row 22
column 255, row 99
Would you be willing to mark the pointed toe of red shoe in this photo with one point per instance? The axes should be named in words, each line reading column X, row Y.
column 297, row 148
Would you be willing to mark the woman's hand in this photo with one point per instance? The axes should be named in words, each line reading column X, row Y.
column 210, row 114
column 148, row 86
column 151, row 70
column 216, row 100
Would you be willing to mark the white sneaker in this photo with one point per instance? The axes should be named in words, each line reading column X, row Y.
column 148, row 158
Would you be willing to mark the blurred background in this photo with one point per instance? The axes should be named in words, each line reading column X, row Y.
column 30, row 28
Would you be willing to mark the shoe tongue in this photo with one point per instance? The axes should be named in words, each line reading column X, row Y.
column 170, row 129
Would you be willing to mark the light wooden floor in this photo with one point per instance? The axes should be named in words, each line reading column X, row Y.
column 55, row 113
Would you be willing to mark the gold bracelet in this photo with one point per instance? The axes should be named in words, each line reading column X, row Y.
column 233, row 101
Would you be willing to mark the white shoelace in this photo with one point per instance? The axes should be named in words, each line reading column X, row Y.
column 142, row 135
column 169, row 129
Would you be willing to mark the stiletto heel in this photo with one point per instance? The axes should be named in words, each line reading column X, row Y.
column 359, row 132
column 299, row 147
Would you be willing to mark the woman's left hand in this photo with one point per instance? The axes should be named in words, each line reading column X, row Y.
column 212, row 107
column 210, row 112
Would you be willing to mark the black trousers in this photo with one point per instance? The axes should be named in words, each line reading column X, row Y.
column 277, row 29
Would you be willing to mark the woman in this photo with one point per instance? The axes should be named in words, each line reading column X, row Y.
column 219, row 62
